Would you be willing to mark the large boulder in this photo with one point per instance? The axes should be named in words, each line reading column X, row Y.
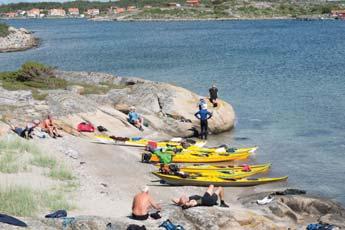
column 170, row 108
column 297, row 210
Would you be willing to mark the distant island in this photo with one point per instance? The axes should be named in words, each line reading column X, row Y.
column 176, row 10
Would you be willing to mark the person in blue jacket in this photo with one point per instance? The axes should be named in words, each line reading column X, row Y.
column 203, row 115
column 135, row 119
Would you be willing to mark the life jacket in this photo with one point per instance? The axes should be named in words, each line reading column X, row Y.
column 152, row 145
column 85, row 127
column 246, row 168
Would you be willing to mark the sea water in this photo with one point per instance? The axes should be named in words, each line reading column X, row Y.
column 285, row 79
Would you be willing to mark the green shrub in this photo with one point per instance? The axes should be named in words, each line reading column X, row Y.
column 4, row 30
column 32, row 75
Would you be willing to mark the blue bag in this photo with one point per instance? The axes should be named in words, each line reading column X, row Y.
column 170, row 226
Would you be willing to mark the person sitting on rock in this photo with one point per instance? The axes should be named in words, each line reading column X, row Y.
column 26, row 132
column 213, row 95
column 135, row 119
column 49, row 127
column 210, row 198
column 203, row 115
column 142, row 203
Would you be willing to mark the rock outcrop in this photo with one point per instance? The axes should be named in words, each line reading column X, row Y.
column 166, row 108
column 250, row 216
column 17, row 40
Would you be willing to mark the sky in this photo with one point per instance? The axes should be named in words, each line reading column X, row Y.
column 16, row 1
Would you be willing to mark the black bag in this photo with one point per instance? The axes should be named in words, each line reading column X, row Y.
column 136, row 227
column 146, row 157
column 101, row 129
column 57, row 214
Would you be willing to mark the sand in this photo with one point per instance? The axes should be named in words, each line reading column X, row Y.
column 111, row 175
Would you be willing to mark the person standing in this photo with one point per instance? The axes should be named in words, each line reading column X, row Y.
column 213, row 95
column 203, row 115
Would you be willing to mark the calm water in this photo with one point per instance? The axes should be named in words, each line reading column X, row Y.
column 285, row 80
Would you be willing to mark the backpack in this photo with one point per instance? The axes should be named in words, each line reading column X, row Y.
column 85, row 127
column 101, row 129
column 170, row 226
column 57, row 214
column 320, row 227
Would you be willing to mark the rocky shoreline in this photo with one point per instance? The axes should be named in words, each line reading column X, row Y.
column 18, row 40
column 110, row 175
column 166, row 108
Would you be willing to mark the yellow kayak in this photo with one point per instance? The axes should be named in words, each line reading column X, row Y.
column 216, row 181
column 234, row 174
column 231, row 173
column 221, row 149
column 206, row 167
column 144, row 142
column 204, row 158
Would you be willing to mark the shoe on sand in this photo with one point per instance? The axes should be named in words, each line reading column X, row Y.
column 265, row 200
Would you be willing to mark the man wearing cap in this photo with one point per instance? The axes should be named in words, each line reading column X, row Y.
column 142, row 203
column 203, row 115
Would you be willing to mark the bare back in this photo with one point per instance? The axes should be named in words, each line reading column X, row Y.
column 141, row 204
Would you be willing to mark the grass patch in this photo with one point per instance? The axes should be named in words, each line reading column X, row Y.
column 101, row 88
column 8, row 163
column 61, row 173
column 22, row 201
column 37, row 95
column 18, row 201
column 43, row 161
column 13, row 143
column 11, row 149
column 55, row 201
column 4, row 30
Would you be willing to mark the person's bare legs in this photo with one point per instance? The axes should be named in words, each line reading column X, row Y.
column 220, row 193
column 210, row 189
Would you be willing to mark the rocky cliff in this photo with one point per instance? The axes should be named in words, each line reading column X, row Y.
column 17, row 40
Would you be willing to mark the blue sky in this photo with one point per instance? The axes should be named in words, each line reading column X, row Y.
column 16, row 1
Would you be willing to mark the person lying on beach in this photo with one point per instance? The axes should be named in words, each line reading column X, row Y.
column 26, row 132
column 135, row 119
column 210, row 198
column 142, row 203
column 49, row 127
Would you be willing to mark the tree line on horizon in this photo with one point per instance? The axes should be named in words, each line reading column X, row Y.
column 221, row 7
column 82, row 5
